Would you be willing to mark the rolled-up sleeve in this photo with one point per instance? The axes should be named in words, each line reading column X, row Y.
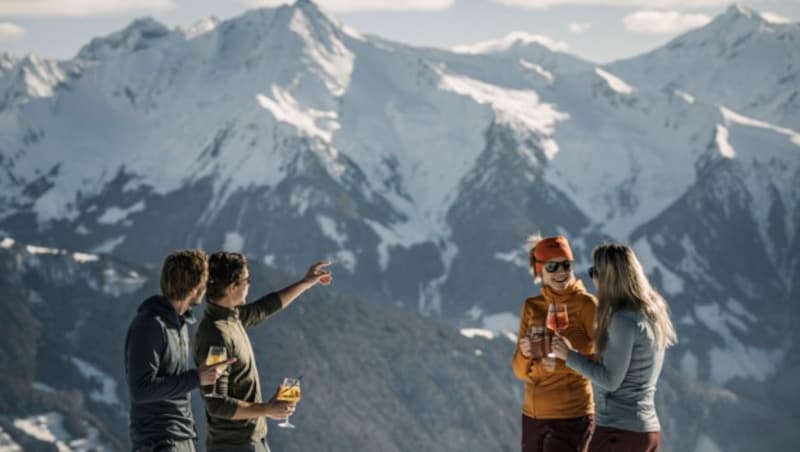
column 260, row 310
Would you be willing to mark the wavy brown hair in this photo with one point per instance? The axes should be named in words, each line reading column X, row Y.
column 622, row 284
column 183, row 271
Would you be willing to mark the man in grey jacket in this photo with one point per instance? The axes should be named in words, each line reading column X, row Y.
column 157, row 358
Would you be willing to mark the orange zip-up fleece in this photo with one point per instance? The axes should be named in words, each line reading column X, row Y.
column 561, row 393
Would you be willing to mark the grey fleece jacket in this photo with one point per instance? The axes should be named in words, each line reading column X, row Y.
column 625, row 378
column 158, row 374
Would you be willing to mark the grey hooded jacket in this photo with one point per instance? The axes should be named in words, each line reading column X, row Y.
column 158, row 374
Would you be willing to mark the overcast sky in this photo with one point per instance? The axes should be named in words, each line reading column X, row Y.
column 599, row 30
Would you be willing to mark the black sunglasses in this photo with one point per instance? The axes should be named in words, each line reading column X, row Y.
column 552, row 267
column 592, row 272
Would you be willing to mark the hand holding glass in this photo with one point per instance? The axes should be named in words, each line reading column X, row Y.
column 289, row 391
column 557, row 320
column 216, row 354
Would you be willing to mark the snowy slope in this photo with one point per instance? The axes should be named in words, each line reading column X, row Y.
column 740, row 60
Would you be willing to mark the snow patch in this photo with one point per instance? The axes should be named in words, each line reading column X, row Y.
column 689, row 365
column 33, row 249
column 7, row 242
column 346, row 259
column 671, row 283
column 201, row 27
column 614, row 82
column 285, row 108
column 233, row 242
column 736, row 359
column 706, row 444
column 545, row 74
column 685, row 96
column 330, row 229
column 502, row 322
column 83, row 258
column 49, row 428
column 7, row 444
column 107, row 393
column 39, row 386
column 724, row 146
column 107, row 247
column 520, row 109
column 114, row 215
column 518, row 257
column 477, row 332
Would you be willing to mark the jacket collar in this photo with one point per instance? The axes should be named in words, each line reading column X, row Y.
column 160, row 306
column 217, row 312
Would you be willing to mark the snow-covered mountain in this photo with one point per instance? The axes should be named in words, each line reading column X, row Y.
column 740, row 60
column 420, row 171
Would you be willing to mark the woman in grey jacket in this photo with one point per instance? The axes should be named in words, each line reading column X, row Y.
column 633, row 330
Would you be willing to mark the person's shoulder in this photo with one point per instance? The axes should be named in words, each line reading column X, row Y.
column 212, row 326
column 536, row 299
column 587, row 299
column 146, row 320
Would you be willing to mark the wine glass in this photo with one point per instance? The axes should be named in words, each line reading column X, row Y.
column 216, row 354
column 289, row 391
column 557, row 320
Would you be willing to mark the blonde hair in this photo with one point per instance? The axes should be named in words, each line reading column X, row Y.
column 530, row 244
column 624, row 285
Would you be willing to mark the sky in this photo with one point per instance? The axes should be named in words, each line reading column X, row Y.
column 597, row 30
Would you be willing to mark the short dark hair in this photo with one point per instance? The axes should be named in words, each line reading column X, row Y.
column 224, row 269
column 183, row 271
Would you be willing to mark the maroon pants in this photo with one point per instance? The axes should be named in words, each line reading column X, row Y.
column 607, row 439
column 557, row 435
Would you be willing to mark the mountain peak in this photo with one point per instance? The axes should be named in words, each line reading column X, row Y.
column 513, row 40
column 739, row 10
column 142, row 33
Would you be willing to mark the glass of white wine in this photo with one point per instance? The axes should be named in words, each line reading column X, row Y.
column 216, row 354
column 289, row 391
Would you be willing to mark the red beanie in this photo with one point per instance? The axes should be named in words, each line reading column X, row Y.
column 549, row 248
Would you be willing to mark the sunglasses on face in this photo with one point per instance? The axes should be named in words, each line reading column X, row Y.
column 553, row 267
column 592, row 272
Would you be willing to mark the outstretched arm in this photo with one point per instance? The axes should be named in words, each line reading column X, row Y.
column 317, row 274
column 616, row 358
column 253, row 313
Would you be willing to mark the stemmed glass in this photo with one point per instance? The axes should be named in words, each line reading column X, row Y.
column 289, row 391
column 557, row 320
column 216, row 354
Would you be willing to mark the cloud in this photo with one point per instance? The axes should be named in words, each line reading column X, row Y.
column 542, row 4
column 9, row 31
column 775, row 18
column 663, row 22
column 78, row 8
column 579, row 27
column 366, row 5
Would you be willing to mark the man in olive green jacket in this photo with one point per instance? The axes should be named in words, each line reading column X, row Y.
column 236, row 420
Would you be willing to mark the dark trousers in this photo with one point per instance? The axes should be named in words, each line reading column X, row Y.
column 168, row 445
column 607, row 439
column 255, row 446
column 557, row 435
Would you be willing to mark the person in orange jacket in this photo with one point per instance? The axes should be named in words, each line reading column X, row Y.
column 557, row 409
